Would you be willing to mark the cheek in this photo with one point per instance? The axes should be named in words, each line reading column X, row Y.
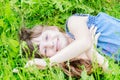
column 63, row 42
column 54, row 34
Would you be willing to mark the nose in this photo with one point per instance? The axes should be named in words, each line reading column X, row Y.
column 48, row 44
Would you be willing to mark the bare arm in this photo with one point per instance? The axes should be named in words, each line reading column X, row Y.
column 82, row 43
column 69, row 51
column 78, row 27
column 92, row 54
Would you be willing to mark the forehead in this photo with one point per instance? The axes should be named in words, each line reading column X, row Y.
column 51, row 33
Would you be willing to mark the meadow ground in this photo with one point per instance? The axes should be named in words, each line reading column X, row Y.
column 15, row 14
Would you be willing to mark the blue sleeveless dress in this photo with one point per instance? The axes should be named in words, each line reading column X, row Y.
column 109, row 40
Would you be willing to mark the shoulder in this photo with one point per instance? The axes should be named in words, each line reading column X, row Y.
column 78, row 18
column 77, row 25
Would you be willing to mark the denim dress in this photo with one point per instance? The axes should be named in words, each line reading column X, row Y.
column 109, row 27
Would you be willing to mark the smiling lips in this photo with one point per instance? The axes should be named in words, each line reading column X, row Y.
column 57, row 44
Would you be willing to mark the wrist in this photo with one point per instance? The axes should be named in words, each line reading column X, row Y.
column 40, row 62
column 105, row 66
column 51, row 62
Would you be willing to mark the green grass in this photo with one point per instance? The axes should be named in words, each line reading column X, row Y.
column 18, row 13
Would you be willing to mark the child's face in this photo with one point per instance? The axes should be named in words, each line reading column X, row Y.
column 50, row 42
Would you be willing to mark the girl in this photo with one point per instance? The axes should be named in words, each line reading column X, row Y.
column 50, row 49
column 80, row 41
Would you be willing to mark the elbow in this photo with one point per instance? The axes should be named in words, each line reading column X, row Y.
column 82, row 45
column 88, row 41
column 88, row 44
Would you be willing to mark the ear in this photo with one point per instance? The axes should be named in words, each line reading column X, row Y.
column 52, row 28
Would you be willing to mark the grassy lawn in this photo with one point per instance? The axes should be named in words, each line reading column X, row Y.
column 18, row 13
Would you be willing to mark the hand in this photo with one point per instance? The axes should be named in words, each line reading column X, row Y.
column 94, row 41
column 40, row 63
column 105, row 66
column 29, row 63
column 94, row 35
column 103, row 62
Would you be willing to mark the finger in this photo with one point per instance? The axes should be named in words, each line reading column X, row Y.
column 26, row 66
column 96, row 37
column 29, row 63
column 94, row 30
column 91, row 31
column 40, row 67
column 91, row 28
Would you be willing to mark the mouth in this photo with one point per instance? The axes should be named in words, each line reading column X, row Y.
column 57, row 44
